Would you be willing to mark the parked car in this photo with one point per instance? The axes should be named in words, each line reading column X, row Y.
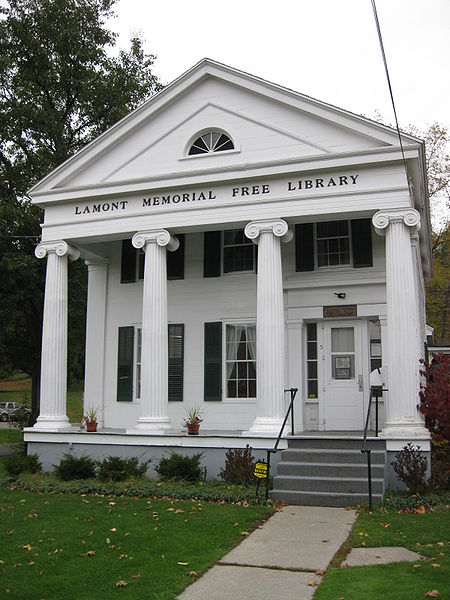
column 12, row 411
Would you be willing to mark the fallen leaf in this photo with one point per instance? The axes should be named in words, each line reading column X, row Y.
column 385, row 525
column 114, row 530
column 325, row 540
column 432, row 594
column 416, row 566
column 420, row 510
column 320, row 572
column 245, row 533
column 90, row 553
column 136, row 576
column 179, row 510
column 27, row 547
column 108, row 541
column 440, row 544
column 121, row 584
column 192, row 574
column 312, row 583
column 436, row 566
column 236, row 524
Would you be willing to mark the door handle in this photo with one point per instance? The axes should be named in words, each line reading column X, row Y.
column 360, row 383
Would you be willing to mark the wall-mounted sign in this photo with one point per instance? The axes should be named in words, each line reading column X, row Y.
column 347, row 310
column 342, row 367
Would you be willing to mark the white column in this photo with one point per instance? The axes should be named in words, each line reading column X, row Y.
column 95, row 335
column 154, row 353
column 54, row 336
column 270, row 325
column 402, row 420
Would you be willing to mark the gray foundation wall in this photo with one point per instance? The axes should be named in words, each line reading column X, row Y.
column 213, row 458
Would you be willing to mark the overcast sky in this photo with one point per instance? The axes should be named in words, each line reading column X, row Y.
column 327, row 49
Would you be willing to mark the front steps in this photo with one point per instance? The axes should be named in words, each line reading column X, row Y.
column 329, row 471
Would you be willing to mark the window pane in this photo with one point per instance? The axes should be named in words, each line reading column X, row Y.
column 312, row 350
column 312, row 388
column 232, row 389
column 342, row 339
column 311, row 329
column 312, row 370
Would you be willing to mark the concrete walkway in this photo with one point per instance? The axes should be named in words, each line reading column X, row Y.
column 285, row 559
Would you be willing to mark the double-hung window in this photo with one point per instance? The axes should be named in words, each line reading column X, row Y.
column 238, row 252
column 240, row 361
column 333, row 244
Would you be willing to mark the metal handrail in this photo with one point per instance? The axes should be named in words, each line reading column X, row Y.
column 375, row 391
column 290, row 410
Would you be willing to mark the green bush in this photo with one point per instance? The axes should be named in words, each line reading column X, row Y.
column 17, row 464
column 116, row 468
column 73, row 467
column 404, row 501
column 180, row 466
column 239, row 466
column 410, row 466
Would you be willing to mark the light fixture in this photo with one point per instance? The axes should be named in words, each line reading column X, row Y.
column 340, row 295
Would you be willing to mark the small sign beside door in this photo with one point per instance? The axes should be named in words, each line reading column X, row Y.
column 348, row 310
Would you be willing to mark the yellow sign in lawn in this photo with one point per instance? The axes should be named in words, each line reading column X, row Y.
column 260, row 470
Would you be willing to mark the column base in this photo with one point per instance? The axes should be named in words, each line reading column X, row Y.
column 50, row 422
column 265, row 426
column 153, row 424
column 405, row 430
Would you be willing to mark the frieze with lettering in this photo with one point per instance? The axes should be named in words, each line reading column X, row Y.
column 222, row 194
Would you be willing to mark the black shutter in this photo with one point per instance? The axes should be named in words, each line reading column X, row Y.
column 304, row 247
column 213, row 361
column 128, row 265
column 362, row 243
column 175, row 261
column 211, row 253
column 176, row 358
column 125, row 365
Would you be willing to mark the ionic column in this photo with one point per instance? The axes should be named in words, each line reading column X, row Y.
column 54, row 336
column 154, row 353
column 95, row 334
column 270, row 348
column 402, row 419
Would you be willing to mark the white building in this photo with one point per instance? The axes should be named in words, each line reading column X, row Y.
column 297, row 243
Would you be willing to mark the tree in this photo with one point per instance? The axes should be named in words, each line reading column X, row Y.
column 59, row 89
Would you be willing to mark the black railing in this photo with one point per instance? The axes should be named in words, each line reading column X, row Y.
column 290, row 411
column 376, row 391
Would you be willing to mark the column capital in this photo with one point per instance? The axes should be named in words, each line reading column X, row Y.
column 383, row 218
column 58, row 247
column 155, row 236
column 96, row 263
column 278, row 227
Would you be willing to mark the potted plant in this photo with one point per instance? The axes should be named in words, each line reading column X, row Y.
column 193, row 420
column 90, row 418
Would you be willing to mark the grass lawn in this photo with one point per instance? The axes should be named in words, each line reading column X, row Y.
column 18, row 389
column 10, row 436
column 67, row 546
column 427, row 534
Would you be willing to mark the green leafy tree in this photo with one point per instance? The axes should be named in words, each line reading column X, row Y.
column 60, row 87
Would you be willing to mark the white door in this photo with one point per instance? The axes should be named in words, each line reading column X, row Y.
column 343, row 359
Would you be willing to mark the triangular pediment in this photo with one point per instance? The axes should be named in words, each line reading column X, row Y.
column 267, row 124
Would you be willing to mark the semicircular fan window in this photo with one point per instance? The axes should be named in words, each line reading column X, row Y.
column 212, row 141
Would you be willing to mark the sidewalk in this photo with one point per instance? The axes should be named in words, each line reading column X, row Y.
column 284, row 559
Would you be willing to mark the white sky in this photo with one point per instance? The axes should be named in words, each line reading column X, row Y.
column 327, row 49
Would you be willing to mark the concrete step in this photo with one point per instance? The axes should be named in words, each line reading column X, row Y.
column 338, row 455
column 345, row 470
column 323, row 498
column 327, row 484
column 335, row 442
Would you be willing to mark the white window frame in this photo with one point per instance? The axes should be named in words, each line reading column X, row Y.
column 222, row 254
column 316, row 247
column 225, row 397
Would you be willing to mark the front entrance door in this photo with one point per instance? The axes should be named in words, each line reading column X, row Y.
column 342, row 407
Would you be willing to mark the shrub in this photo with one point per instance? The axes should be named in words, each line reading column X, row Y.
column 434, row 395
column 410, row 467
column 73, row 467
column 180, row 466
column 239, row 466
column 440, row 463
column 15, row 465
column 116, row 468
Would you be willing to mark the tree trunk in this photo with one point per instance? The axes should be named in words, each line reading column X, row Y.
column 35, row 395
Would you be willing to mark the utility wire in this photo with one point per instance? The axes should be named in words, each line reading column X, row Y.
column 380, row 39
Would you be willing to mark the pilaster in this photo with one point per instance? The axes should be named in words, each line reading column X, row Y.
column 95, row 334
column 53, row 411
column 270, row 324
column 154, row 358
column 402, row 418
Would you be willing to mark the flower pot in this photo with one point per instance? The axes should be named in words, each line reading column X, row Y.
column 192, row 428
column 91, row 425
